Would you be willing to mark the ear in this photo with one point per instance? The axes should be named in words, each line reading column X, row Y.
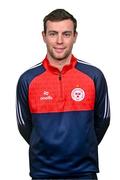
column 44, row 36
column 75, row 36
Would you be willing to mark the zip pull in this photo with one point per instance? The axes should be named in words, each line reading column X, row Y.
column 60, row 77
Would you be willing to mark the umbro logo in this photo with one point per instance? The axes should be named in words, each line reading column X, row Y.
column 46, row 96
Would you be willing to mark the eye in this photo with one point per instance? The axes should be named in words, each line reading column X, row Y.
column 52, row 34
column 67, row 34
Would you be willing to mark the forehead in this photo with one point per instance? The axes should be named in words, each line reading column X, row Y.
column 65, row 25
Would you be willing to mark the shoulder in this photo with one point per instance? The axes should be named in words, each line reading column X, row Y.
column 31, row 73
column 89, row 69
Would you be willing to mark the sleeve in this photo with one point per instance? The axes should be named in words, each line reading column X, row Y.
column 22, row 109
column 102, row 107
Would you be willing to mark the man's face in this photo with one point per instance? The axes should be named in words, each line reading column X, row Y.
column 59, row 39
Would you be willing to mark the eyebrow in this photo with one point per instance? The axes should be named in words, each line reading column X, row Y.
column 67, row 32
column 51, row 31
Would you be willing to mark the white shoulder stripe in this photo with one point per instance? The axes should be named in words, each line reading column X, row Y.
column 83, row 62
column 37, row 65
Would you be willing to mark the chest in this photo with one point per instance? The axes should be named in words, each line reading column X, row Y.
column 71, row 91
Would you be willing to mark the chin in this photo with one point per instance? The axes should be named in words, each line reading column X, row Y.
column 60, row 58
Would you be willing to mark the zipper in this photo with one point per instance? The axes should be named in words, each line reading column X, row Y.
column 61, row 88
column 60, row 76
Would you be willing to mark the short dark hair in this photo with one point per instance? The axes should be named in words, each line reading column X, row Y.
column 59, row 15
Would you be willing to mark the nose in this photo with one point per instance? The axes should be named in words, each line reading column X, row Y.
column 59, row 39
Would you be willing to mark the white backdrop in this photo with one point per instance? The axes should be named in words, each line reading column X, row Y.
column 21, row 47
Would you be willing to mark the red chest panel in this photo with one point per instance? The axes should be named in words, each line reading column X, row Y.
column 74, row 91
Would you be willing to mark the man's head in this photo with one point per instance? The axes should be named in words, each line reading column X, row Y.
column 59, row 15
column 59, row 34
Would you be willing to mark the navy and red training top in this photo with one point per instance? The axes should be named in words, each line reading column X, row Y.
column 63, row 116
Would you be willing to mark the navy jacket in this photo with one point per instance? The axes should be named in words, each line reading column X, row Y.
column 63, row 116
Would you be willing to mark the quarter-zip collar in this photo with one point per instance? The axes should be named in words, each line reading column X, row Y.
column 55, row 70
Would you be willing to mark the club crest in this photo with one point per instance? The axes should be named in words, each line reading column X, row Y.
column 78, row 94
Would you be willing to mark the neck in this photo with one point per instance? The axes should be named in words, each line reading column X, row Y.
column 59, row 64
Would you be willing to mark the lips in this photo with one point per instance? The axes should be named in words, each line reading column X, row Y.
column 59, row 50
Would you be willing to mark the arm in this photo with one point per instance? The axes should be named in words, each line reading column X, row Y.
column 22, row 109
column 102, row 107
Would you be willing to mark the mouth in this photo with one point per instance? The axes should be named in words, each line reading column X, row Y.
column 59, row 50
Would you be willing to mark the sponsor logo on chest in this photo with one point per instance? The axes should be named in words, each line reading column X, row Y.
column 46, row 96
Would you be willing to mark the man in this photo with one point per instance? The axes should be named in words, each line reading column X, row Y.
column 62, row 107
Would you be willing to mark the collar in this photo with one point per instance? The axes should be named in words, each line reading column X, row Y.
column 55, row 70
